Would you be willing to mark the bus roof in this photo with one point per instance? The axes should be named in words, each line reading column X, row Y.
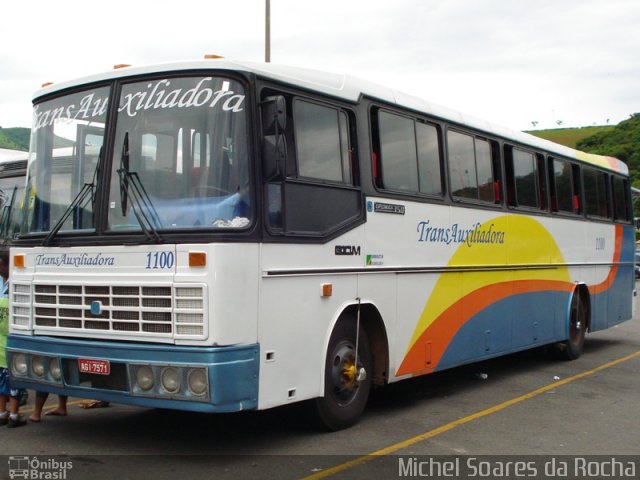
column 351, row 89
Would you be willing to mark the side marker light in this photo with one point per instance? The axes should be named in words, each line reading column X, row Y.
column 197, row 259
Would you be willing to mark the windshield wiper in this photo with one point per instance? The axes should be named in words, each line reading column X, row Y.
column 141, row 204
column 80, row 200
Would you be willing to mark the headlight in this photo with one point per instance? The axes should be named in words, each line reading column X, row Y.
column 54, row 369
column 144, row 377
column 19, row 366
column 37, row 365
column 170, row 378
column 197, row 380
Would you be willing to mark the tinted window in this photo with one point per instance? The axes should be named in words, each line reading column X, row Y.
column 621, row 199
column 398, row 150
column 562, row 183
column 525, row 178
column 485, row 170
column 595, row 193
column 321, row 147
column 462, row 165
column 470, row 167
column 410, row 155
column 429, row 159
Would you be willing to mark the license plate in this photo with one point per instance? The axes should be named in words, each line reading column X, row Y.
column 96, row 367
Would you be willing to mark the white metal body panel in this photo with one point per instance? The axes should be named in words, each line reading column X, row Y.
column 230, row 281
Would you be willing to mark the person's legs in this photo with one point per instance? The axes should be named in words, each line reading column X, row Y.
column 4, row 415
column 61, row 409
column 5, row 391
column 15, row 420
column 41, row 398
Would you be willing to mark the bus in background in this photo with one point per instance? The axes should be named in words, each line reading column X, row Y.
column 229, row 236
column 12, row 181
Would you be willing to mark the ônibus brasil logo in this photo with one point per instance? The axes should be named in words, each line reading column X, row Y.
column 38, row 469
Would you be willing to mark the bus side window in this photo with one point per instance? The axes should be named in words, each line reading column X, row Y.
column 322, row 142
column 462, row 166
column 376, row 168
column 620, row 188
column 315, row 192
column 596, row 193
column 577, row 190
column 406, row 154
column 429, row 159
column 473, row 168
column 484, row 168
column 564, row 183
column 542, row 181
column 399, row 152
column 522, row 177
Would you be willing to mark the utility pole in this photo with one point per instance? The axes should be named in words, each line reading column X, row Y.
column 267, row 31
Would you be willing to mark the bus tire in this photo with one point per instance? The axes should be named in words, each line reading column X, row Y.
column 345, row 394
column 572, row 348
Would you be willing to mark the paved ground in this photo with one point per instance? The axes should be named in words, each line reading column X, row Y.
column 529, row 404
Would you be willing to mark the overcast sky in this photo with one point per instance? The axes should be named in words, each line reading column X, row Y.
column 512, row 62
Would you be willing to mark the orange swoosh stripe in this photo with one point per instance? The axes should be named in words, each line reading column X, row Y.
column 425, row 354
column 439, row 335
column 617, row 252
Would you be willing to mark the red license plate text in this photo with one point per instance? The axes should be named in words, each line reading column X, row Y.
column 96, row 367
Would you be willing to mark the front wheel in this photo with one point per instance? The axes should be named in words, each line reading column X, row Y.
column 347, row 381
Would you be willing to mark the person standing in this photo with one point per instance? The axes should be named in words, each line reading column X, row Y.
column 41, row 398
column 8, row 395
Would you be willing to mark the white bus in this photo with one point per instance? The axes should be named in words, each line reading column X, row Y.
column 231, row 236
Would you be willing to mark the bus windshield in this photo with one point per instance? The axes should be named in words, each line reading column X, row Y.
column 180, row 156
column 66, row 141
column 179, row 159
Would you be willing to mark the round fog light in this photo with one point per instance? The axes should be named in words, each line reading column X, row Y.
column 19, row 365
column 170, row 379
column 54, row 369
column 144, row 377
column 37, row 365
column 197, row 380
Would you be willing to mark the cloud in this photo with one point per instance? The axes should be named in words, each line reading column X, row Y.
column 510, row 61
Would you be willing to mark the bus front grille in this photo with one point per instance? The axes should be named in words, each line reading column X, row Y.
column 156, row 311
column 104, row 308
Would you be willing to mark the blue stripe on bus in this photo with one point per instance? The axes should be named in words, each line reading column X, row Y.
column 502, row 328
column 233, row 371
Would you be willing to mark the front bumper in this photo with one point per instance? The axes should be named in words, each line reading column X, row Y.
column 204, row 379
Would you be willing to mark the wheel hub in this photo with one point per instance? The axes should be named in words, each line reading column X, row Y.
column 346, row 375
column 349, row 374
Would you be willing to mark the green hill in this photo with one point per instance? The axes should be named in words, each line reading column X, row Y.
column 570, row 136
column 623, row 142
column 15, row 138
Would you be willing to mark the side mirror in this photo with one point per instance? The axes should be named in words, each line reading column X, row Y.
column 274, row 115
column 274, row 145
column 274, row 157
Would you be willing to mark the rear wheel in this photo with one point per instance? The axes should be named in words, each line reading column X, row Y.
column 347, row 380
column 572, row 348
